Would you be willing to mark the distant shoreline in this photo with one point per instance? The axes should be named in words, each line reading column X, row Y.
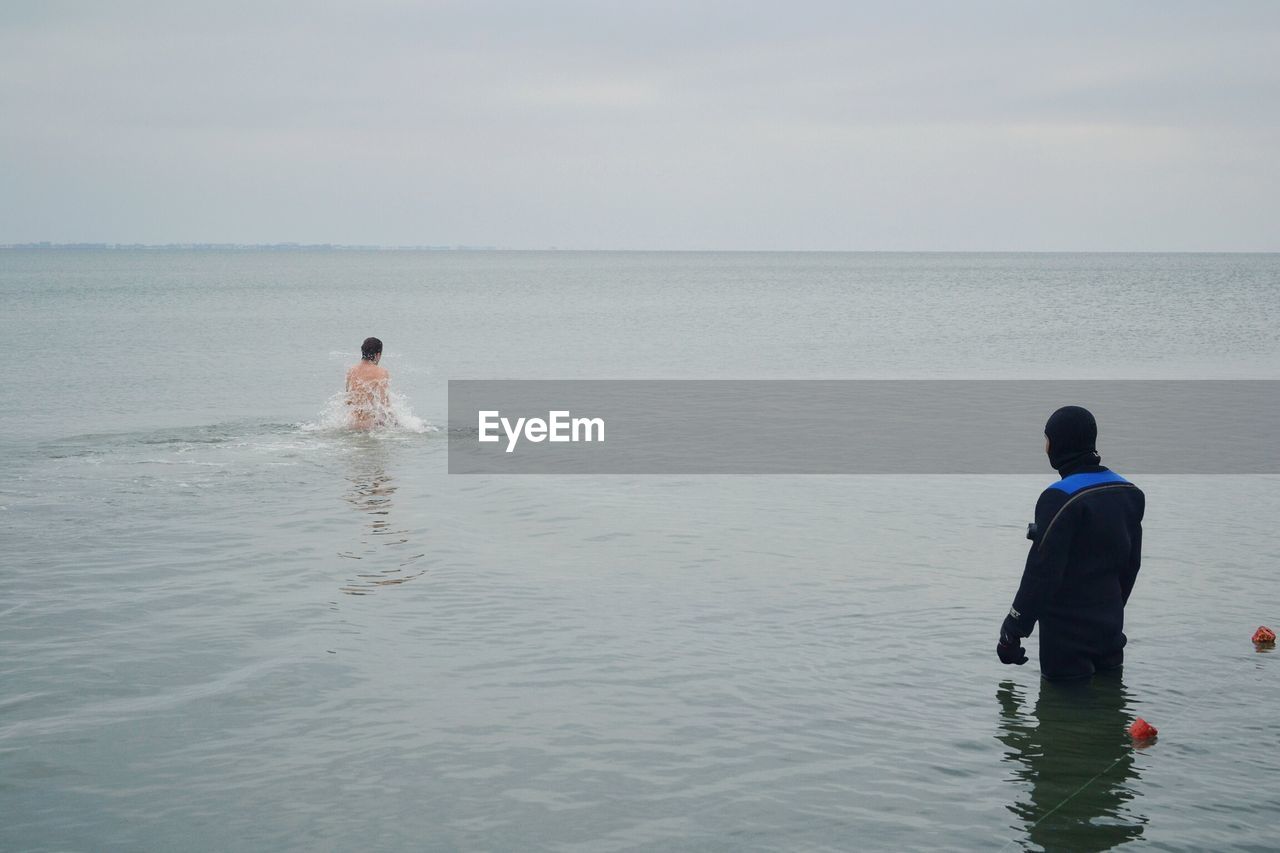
column 241, row 247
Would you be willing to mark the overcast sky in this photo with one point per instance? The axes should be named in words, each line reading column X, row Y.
column 685, row 125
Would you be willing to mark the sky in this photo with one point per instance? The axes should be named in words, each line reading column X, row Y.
column 896, row 126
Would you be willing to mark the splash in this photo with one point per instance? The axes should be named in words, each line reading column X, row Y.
column 396, row 417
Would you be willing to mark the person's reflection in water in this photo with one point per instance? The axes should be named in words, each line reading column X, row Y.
column 383, row 547
column 1075, row 753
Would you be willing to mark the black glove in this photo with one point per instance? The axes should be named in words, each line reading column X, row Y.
column 1010, row 648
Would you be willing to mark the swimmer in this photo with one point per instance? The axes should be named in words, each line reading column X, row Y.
column 367, row 388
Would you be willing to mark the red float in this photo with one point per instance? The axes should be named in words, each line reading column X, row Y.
column 1142, row 730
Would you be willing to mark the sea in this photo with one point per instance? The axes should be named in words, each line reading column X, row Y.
column 229, row 623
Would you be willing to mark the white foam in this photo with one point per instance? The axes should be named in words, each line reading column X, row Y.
column 396, row 417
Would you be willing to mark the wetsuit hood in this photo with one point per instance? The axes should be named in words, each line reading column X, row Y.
column 1072, row 434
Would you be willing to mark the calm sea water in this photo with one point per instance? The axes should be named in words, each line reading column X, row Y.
column 228, row 625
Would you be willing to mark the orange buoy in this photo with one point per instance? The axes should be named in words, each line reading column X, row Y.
column 1264, row 636
column 1142, row 730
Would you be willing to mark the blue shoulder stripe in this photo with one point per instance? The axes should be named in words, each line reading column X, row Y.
column 1076, row 482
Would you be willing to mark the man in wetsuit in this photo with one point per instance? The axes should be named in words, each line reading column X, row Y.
column 367, row 388
column 1086, row 545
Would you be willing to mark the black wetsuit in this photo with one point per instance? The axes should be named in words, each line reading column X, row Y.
column 1085, row 551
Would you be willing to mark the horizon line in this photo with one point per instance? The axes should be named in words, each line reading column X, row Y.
column 362, row 247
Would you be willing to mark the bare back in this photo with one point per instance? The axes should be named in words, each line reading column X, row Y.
column 367, row 395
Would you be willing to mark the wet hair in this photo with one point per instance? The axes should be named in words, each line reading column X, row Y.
column 370, row 349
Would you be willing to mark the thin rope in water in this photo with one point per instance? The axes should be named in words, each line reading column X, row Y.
column 1069, row 798
column 1077, row 791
